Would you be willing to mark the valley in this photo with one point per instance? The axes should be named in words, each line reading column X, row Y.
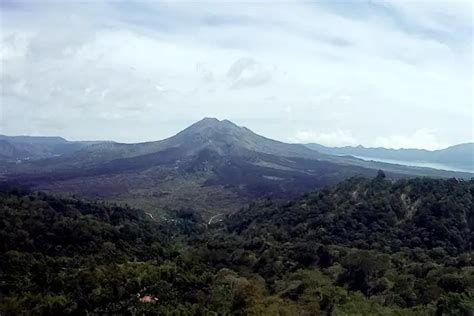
column 211, row 167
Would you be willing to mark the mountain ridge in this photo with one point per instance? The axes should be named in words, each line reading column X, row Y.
column 212, row 166
column 460, row 155
column 223, row 131
column 360, row 146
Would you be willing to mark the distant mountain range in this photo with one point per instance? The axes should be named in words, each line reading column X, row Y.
column 15, row 148
column 212, row 166
column 458, row 157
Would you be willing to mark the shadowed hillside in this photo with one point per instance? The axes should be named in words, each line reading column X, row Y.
column 364, row 246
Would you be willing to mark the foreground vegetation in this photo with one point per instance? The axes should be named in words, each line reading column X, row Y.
column 363, row 247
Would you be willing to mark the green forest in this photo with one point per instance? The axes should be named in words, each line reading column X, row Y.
column 362, row 247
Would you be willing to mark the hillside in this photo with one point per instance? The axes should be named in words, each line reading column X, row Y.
column 364, row 246
column 212, row 166
column 375, row 214
column 224, row 137
column 15, row 149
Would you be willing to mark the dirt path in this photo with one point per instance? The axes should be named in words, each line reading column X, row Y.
column 210, row 220
column 151, row 216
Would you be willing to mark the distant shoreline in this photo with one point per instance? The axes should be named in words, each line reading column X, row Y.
column 432, row 165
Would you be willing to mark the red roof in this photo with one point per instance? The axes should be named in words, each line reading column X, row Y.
column 148, row 299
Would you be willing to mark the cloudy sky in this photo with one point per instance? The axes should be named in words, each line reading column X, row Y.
column 379, row 73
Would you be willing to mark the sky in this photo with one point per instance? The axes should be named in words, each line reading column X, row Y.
column 391, row 73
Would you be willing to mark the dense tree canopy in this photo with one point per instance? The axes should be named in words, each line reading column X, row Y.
column 365, row 247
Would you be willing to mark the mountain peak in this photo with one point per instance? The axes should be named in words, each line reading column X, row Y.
column 208, row 120
column 223, row 136
column 211, row 123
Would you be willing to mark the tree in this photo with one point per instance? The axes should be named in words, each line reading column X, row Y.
column 380, row 174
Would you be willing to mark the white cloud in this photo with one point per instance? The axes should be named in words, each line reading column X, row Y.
column 422, row 138
column 246, row 72
column 335, row 138
column 112, row 65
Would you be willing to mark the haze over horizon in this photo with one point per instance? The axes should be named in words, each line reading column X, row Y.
column 97, row 139
column 386, row 73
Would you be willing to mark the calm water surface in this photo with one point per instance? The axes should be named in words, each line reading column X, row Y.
column 439, row 166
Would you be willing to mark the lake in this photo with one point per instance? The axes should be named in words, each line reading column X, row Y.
column 438, row 166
